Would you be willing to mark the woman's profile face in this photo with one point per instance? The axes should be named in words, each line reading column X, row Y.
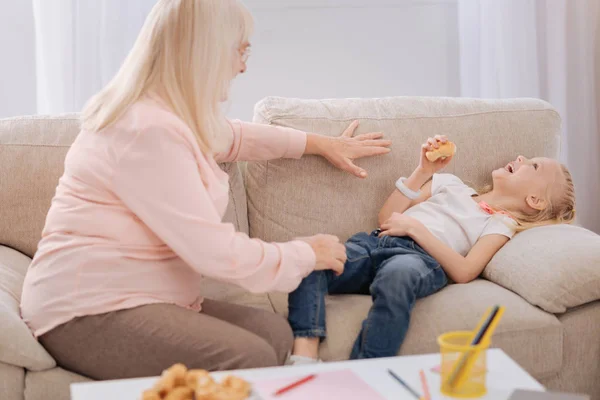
column 239, row 65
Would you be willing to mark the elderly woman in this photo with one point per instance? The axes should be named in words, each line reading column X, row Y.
column 136, row 220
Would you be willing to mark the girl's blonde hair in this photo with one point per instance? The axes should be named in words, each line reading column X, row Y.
column 560, row 209
column 185, row 52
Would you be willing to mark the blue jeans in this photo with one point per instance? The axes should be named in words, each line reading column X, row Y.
column 395, row 271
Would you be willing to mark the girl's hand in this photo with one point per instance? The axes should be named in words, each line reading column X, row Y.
column 400, row 225
column 432, row 167
column 330, row 253
column 343, row 150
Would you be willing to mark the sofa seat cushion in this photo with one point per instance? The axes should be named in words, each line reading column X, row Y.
column 12, row 381
column 223, row 291
column 52, row 384
column 17, row 344
column 553, row 267
column 529, row 335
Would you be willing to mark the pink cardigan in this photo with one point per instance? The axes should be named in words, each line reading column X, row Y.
column 136, row 220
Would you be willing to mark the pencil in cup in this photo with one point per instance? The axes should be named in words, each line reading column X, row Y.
column 463, row 357
column 483, row 335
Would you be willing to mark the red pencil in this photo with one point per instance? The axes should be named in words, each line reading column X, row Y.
column 295, row 384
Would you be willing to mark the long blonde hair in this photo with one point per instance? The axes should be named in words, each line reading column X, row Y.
column 185, row 51
column 560, row 209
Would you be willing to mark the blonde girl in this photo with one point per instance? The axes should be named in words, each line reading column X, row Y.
column 433, row 229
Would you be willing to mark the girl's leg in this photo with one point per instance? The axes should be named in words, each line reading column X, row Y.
column 143, row 341
column 307, row 303
column 398, row 283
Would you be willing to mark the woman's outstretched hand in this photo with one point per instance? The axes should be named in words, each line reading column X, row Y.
column 330, row 253
column 341, row 151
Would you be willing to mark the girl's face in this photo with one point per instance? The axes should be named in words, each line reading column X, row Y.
column 532, row 180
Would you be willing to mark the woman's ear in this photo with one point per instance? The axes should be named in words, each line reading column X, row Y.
column 536, row 203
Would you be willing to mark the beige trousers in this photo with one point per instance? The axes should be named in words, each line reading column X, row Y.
column 143, row 341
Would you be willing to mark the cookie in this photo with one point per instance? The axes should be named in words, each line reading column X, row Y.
column 180, row 393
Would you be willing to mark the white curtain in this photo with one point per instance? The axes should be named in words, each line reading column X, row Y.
column 80, row 45
column 547, row 49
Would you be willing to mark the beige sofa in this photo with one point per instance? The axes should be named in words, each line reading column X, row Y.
column 548, row 278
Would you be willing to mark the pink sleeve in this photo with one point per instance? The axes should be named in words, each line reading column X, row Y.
column 158, row 178
column 255, row 142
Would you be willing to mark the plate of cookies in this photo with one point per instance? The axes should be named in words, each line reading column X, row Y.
column 180, row 383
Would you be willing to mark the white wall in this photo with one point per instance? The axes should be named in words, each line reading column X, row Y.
column 301, row 48
column 17, row 62
column 349, row 48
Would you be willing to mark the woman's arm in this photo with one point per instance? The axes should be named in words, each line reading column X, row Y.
column 254, row 142
column 158, row 179
column 460, row 269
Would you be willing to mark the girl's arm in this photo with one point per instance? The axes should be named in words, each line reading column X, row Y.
column 255, row 142
column 397, row 202
column 420, row 179
column 460, row 269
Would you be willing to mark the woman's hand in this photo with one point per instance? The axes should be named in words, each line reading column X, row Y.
column 331, row 254
column 400, row 225
column 431, row 144
column 343, row 150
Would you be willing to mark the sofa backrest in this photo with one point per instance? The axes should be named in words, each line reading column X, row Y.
column 290, row 198
column 32, row 153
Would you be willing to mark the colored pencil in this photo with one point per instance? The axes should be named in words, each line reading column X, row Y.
column 426, row 394
column 484, row 330
column 411, row 390
column 294, row 385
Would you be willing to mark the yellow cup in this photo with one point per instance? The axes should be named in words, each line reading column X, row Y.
column 463, row 368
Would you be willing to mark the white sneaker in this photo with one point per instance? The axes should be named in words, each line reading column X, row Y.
column 301, row 360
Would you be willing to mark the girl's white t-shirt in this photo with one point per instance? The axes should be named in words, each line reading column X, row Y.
column 455, row 218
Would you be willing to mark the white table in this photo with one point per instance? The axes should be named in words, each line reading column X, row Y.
column 504, row 376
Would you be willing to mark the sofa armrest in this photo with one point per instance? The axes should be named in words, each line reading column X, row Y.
column 17, row 344
column 554, row 267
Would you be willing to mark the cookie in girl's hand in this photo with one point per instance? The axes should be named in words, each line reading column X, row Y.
column 447, row 149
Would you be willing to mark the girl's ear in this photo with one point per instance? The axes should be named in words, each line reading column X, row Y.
column 536, row 203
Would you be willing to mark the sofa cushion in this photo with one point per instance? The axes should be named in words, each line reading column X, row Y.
column 223, row 291
column 52, row 384
column 12, row 381
column 32, row 153
column 553, row 267
column 530, row 336
column 289, row 198
column 17, row 344
column 581, row 352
